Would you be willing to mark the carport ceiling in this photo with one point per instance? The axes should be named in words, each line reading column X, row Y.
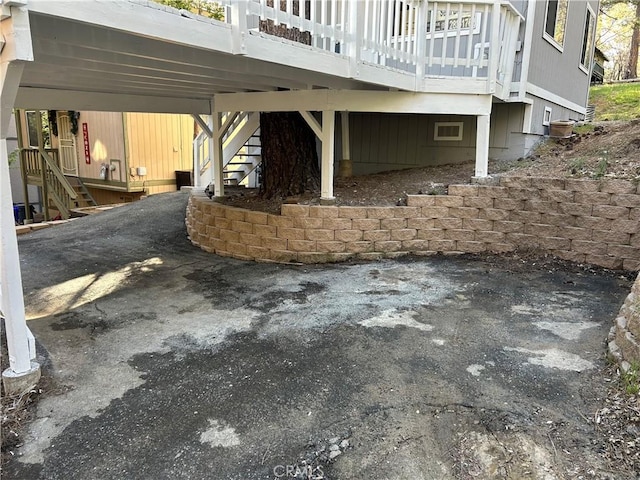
column 126, row 56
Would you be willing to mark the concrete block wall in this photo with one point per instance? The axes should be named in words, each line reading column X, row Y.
column 587, row 221
column 625, row 333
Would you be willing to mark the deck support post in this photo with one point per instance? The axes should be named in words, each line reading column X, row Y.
column 22, row 373
column 217, row 154
column 345, row 168
column 328, row 147
column 482, row 145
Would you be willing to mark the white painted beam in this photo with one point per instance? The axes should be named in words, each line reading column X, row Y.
column 48, row 99
column 482, row 146
column 356, row 101
column 312, row 122
column 328, row 147
column 203, row 125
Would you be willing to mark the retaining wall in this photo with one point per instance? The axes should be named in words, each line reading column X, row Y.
column 625, row 333
column 587, row 221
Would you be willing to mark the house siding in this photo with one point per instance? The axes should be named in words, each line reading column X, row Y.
column 555, row 71
column 381, row 142
column 106, row 143
column 162, row 143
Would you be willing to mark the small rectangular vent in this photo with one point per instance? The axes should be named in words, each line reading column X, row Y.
column 448, row 131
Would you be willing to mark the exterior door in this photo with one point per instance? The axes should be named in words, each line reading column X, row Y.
column 67, row 146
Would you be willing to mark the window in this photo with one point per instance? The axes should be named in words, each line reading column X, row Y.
column 587, row 40
column 546, row 119
column 448, row 131
column 32, row 128
column 556, row 21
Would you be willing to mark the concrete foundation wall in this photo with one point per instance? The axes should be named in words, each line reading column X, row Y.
column 585, row 221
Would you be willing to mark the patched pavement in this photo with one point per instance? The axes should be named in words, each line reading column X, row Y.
column 174, row 363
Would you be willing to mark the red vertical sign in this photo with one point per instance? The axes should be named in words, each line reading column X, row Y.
column 87, row 146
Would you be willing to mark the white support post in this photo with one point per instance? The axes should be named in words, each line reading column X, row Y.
column 482, row 146
column 22, row 373
column 345, row 168
column 217, row 154
column 328, row 143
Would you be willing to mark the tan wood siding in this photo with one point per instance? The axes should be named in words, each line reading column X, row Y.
column 106, row 143
column 162, row 144
column 107, row 197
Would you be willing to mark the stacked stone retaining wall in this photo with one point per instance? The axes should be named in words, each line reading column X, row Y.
column 625, row 333
column 586, row 221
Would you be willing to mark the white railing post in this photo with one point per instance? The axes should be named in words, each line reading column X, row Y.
column 239, row 12
column 494, row 47
column 353, row 32
column 421, row 42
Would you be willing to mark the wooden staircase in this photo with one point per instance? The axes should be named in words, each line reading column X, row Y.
column 62, row 193
column 84, row 198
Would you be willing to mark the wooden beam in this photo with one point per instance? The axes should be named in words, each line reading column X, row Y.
column 355, row 101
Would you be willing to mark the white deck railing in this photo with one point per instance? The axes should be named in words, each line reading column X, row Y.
column 428, row 39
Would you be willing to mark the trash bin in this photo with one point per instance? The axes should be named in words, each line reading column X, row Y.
column 183, row 179
column 19, row 212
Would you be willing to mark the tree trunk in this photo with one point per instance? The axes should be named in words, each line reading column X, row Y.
column 632, row 66
column 289, row 155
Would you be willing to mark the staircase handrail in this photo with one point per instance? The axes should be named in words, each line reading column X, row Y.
column 59, row 176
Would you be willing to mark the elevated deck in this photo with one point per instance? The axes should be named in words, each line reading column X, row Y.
column 137, row 55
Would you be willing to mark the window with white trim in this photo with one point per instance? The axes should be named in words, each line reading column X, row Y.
column 448, row 131
column 587, row 40
column 555, row 21
column 546, row 118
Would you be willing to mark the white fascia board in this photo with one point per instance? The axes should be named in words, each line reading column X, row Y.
column 355, row 101
column 49, row 99
column 145, row 20
column 557, row 99
column 292, row 54
column 473, row 86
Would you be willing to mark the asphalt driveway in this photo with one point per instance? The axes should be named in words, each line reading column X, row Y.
column 174, row 363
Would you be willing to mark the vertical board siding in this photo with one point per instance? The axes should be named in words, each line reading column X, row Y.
column 106, row 141
column 556, row 71
column 381, row 142
column 162, row 143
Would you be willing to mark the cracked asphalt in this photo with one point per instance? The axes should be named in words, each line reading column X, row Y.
column 173, row 363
